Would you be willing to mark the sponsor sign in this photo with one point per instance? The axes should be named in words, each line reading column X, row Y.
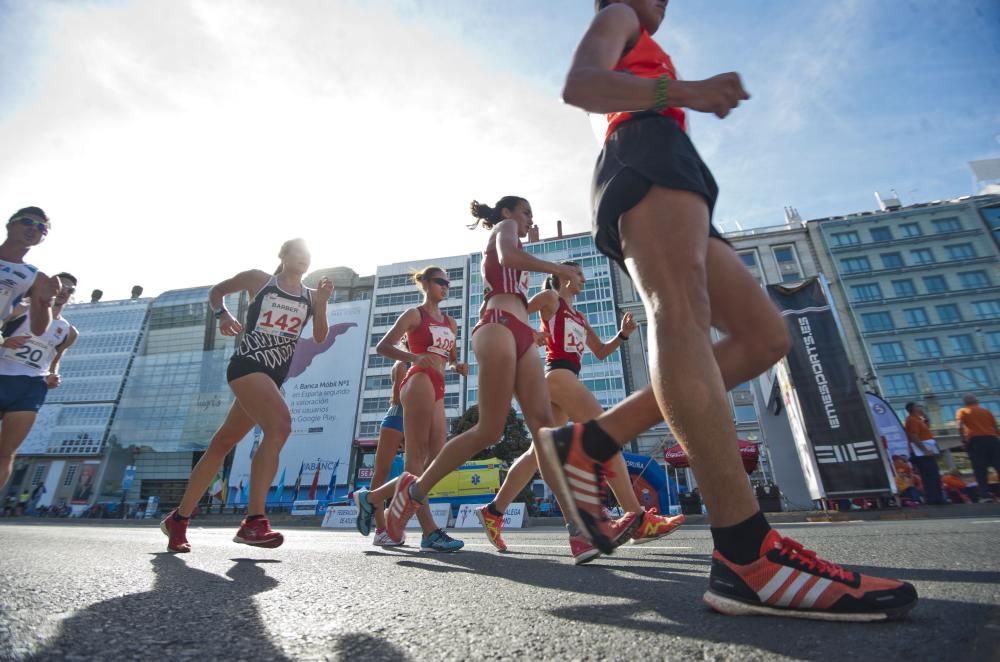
column 344, row 517
column 152, row 505
column 513, row 517
column 128, row 478
column 836, row 440
column 301, row 508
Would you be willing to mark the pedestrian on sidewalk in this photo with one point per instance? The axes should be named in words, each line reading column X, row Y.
column 924, row 452
column 981, row 438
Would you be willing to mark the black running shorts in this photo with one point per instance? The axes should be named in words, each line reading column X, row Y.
column 240, row 366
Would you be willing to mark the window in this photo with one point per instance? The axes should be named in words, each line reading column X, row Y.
column 749, row 258
column 904, row 288
column 70, row 475
column 929, row 348
column 888, row 352
column 960, row 251
column 911, row 229
column 935, row 284
column 962, row 344
column 971, row 280
column 39, row 474
column 916, row 317
column 941, row 380
column 376, row 382
column 456, row 273
column 976, row 377
column 922, row 256
column 994, row 407
column 881, row 234
column 853, row 265
column 375, row 338
column 451, row 400
column 877, row 321
column 784, row 255
column 896, row 385
column 399, row 299
column 951, row 224
column 892, row 260
column 368, row 429
column 745, row 414
column 948, row 313
column 379, row 361
column 866, row 292
column 993, row 341
column 850, row 238
column 791, row 277
column 374, row 405
column 986, row 310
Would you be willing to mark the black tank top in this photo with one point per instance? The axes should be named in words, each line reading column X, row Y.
column 274, row 323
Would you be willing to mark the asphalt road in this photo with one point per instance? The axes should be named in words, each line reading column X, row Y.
column 83, row 592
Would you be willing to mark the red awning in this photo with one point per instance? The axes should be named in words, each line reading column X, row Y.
column 749, row 453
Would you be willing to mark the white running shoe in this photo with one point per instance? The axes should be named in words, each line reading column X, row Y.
column 382, row 539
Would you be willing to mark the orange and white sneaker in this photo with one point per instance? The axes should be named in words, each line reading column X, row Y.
column 176, row 532
column 402, row 508
column 655, row 526
column 789, row 580
column 493, row 525
column 582, row 550
column 257, row 532
column 579, row 482
column 624, row 528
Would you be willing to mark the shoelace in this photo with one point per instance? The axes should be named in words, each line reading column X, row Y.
column 793, row 550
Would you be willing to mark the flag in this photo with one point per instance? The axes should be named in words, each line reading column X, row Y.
column 216, row 491
column 298, row 482
column 315, row 483
column 225, row 484
column 279, row 490
column 333, row 481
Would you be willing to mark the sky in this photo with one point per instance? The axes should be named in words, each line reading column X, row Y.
column 174, row 143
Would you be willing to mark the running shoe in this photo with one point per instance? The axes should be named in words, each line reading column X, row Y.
column 366, row 512
column 789, row 580
column 655, row 526
column 382, row 539
column 624, row 528
column 176, row 531
column 402, row 508
column 439, row 541
column 578, row 481
column 582, row 550
column 493, row 524
column 257, row 532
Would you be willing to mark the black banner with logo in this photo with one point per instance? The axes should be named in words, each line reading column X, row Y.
column 836, row 433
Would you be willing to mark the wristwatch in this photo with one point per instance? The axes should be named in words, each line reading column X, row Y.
column 219, row 312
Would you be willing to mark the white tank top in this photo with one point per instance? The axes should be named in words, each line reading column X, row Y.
column 33, row 358
column 16, row 279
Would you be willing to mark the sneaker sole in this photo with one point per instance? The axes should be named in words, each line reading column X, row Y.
column 267, row 544
column 357, row 522
column 549, row 457
column 432, row 550
column 732, row 607
column 626, row 534
column 586, row 557
column 482, row 521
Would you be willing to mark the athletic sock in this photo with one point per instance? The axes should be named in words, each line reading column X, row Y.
column 180, row 518
column 493, row 509
column 416, row 494
column 250, row 518
column 597, row 443
column 740, row 543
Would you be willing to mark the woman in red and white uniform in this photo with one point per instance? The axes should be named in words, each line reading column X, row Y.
column 504, row 344
column 280, row 306
column 568, row 335
column 430, row 337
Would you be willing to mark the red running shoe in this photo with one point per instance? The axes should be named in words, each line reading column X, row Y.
column 402, row 508
column 624, row 528
column 655, row 526
column 789, row 580
column 582, row 550
column 578, row 481
column 176, row 531
column 493, row 524
column 257, row 532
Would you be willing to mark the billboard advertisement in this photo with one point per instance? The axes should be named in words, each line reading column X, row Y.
column 322, row 395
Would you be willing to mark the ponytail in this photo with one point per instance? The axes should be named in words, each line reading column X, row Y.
column 490, row 216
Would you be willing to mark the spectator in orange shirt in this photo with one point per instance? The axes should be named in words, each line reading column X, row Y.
column 924, row 452
column 954, row 487
column 981, row 439
column 909, row 495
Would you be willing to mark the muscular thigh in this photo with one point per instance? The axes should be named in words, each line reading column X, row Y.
column 572, row 397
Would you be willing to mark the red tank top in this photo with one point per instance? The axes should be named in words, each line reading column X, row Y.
column 436, row 337
column 565, row 335
column 498, row 279
column 646, row 60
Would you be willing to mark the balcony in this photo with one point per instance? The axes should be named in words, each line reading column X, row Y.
column 848, row 275
column 865, row 246
column 947, row 294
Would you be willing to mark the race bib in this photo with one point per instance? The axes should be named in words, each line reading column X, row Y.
column 35, row 353
column 281, row 317
column 442, row 340
column 574, row 336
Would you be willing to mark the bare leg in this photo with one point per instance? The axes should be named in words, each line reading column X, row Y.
column 388, row 445
column 258, row 393
column 419, row 417
column 13, row 430
column 236, row 426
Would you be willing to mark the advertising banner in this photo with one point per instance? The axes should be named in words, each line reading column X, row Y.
column 466, row 518
column 830, row 417
column 85, row 484
column 343, row 517
column 889, row 426
column 322, row 395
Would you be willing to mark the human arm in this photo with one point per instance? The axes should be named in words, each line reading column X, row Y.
column 251, row 281
column 53, row 380
column 545, row 303
column 459, row 367
column 512, row 256
column 388, row 345
column 43, row 292
column 321, row 297
column 603, row 350
column 593, row 85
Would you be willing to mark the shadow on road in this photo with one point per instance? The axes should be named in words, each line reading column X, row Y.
column 188, row 614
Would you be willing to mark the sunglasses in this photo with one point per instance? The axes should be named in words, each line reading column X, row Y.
column 41, row 226
column 69, row 290
column 443, row 282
